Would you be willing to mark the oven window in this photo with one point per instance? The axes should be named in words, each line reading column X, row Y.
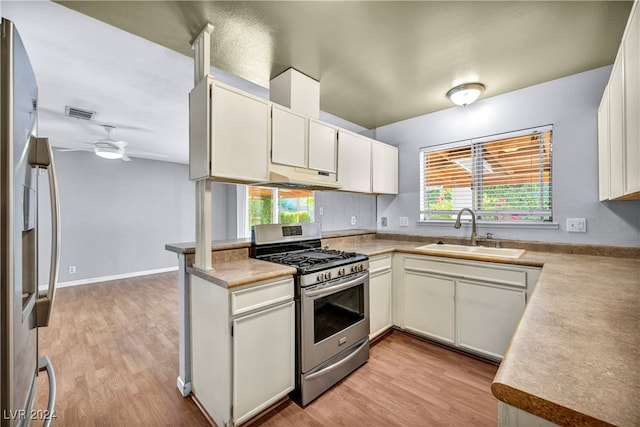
column 337, row 312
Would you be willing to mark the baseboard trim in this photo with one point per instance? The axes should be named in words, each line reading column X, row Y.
column 114, row 277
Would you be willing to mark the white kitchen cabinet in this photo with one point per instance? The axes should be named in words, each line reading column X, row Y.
column 384, row 168
column 263, row 359
column 603, row 147
column 618, row 124
column 487, row 316
column 429, row 305
column 631, row 54
column 288, row 140
column 242, row 347
column 616, row 131
column 354, row 162
column 510, row 416
column 471, row 305
column 229, row 133
column 323, row 146
column 380, row 294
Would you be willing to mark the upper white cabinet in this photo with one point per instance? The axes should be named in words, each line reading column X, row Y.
column 631, row 53
column 603, row 146
column 288, row 139
column 323, row 146
column 354, row 162
column 366, row 165
column 229, row 134
column 303, row 150
column 618, row 124
column 384, row 168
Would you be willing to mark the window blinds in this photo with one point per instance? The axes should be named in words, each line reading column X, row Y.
column 503, row 177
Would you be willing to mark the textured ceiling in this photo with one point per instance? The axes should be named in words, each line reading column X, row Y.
column 377, row 62
column 384, row 61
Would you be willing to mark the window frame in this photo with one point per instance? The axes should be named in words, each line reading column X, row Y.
column 476, row 190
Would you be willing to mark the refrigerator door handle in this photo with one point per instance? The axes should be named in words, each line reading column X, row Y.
column 45, row 364
column 43, row 156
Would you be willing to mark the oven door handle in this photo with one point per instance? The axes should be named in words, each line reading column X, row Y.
column 337, row 364
column 337, row 287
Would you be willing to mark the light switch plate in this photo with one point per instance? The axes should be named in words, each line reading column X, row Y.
column 577, row 225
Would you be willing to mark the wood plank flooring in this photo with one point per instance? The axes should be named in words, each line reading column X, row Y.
column 114, row 347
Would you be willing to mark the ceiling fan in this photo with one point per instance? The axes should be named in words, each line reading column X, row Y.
column 110, row 148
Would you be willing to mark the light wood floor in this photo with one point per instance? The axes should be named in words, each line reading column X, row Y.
column 114, row 347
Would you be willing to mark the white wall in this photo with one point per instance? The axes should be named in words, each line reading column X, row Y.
column 570, row 104
column 116, row 217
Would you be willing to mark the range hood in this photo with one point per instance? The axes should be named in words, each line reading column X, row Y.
column 301, row 94
column 285, row 176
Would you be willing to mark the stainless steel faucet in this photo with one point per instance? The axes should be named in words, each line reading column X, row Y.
column 473, row 224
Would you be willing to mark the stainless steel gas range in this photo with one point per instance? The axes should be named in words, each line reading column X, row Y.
column 332, row 304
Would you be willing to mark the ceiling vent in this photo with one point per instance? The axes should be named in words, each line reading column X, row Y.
column 79, row 113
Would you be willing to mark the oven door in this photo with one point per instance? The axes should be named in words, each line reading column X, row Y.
column 334, row 316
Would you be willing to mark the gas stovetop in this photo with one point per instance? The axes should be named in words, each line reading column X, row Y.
column 314, row 259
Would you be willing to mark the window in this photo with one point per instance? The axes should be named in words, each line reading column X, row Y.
column 277, row 205
column 502, row 177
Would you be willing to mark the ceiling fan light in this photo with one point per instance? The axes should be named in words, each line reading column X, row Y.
column 465, row 94
column 109, row 152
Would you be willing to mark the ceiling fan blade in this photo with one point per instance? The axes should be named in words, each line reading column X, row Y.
column 146, row 153
column 73, row 149
column 125, row 158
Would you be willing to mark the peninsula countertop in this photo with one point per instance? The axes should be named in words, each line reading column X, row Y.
column 574, row 358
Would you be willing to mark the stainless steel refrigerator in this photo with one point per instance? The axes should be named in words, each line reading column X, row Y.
column 25, row 162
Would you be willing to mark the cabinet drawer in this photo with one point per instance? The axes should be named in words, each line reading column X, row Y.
column 261, row 295
column 379, row 264
column 495, row 273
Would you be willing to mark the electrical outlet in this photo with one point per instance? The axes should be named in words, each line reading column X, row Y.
column 383, row 221
column 353, row 220
column 577, row 225
column 320, row 210
column 72, row 269
column 404, row 221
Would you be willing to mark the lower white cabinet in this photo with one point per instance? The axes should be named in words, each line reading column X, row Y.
column 242, row 347
column 263, row 359
column 472, row 305
column 380, row 294
column 487, row 316
column 429, row 305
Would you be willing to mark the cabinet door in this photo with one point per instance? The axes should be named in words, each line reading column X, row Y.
column 288, row 138
column 487, row 316
column 240, row 136
column 354, row 162
column 616, row 131
column 263, row 359
column 429, row 306
column 603, row 146
column 323, row 144
column 384, row 168
column 380, row 285
column 631, row 49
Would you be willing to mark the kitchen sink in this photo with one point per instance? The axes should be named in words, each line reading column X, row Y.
column 474, row 250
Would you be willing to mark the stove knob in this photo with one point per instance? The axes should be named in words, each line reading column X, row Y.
column 320, row 277
column 327, row 275
column 341, row 272
column 359, row 268
column 353, row 268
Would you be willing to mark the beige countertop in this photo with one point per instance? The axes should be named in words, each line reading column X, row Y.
column 575, row 356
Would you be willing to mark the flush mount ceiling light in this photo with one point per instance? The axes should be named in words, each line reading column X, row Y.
column 465, row 94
